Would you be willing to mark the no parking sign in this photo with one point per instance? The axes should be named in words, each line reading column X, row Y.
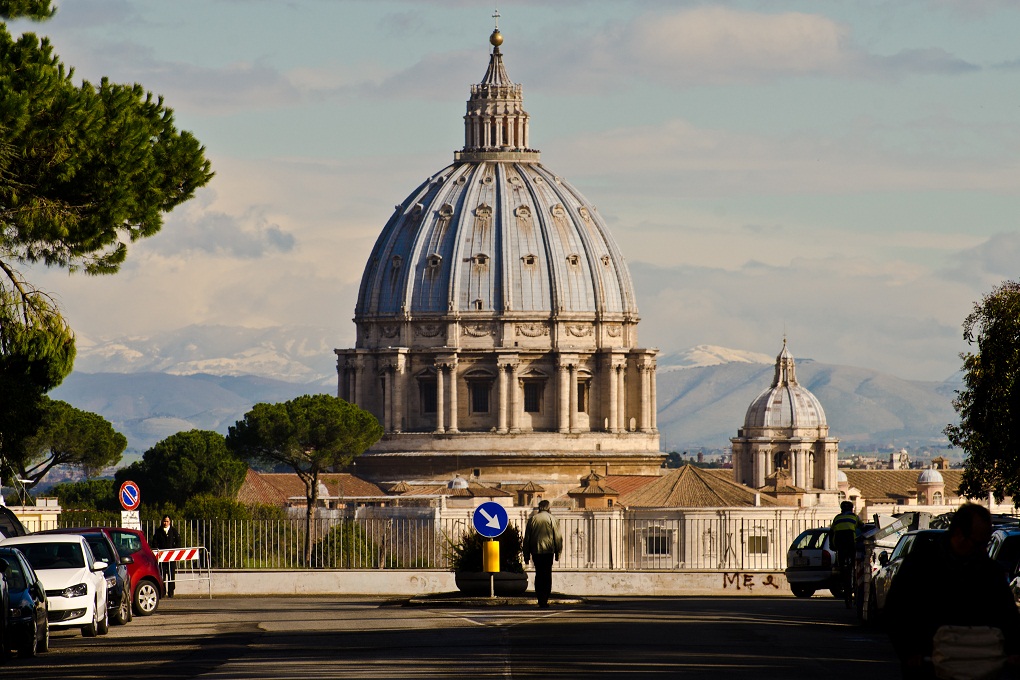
column 130, row 496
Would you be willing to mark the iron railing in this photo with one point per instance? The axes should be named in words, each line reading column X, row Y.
column 621, row 540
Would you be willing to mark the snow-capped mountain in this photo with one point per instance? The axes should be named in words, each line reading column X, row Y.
column 709, row 355
column 293, row 354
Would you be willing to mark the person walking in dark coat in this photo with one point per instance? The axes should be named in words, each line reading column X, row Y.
column 543, row 542
column 945, row 589
column 165, row 537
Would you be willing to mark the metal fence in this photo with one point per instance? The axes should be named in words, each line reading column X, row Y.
column 631, row 541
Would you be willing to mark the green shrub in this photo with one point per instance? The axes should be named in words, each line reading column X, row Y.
column 466, row 554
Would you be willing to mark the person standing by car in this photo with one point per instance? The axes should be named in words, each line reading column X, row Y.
column 543, row 542
column 949, row 595
column 843, row 533
column 165, row 537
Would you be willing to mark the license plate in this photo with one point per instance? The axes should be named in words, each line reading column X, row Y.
column 800, row 561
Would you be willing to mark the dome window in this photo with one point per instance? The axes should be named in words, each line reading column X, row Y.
column 574, row 260
column 435, row 261
column 529, row 260
column 477, row 305
column 606, row 260
column 481, row 259
column 397, row 261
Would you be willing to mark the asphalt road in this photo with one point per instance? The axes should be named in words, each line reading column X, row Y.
column 302, row 638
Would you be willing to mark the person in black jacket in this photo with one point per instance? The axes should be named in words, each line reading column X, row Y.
column 950, row 582
column 166, row 537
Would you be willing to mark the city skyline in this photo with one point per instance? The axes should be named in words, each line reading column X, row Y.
column 843, row 175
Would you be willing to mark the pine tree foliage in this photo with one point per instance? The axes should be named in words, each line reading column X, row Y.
column 68, row 436
column 85, row 169
column 311, row 434
column 989, row 404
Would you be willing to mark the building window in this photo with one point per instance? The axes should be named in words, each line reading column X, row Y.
column 758, row 545
column 533, row 396
column 480, row 390
column 659, row 542
column 427, row 395
column 936, row 498
column 582, row 396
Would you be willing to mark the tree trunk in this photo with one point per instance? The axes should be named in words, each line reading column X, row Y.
column 312, row 497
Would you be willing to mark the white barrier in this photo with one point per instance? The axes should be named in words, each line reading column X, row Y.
column 191, row 565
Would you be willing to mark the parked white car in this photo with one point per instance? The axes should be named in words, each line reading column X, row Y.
column 73, row 578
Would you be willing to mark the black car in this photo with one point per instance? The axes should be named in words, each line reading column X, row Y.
column 881, row 581
column 10, row 525
column 28, row 629
column 1004, row 548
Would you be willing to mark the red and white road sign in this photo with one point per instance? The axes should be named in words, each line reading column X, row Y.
column 176, row 555
column 130, row 496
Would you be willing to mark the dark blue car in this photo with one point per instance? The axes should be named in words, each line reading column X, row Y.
column 28, row 629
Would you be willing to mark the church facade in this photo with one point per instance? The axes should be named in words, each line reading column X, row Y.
column 497, row 322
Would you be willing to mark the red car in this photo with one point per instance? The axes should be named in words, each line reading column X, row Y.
column 144, row 570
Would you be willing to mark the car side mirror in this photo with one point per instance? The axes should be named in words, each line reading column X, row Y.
column 99, row 565
column 127, row 559
column 883, row 558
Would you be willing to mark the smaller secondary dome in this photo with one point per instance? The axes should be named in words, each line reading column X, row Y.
column 786, row 403
column 457, row 482
column 841, row 476
column 930, row 476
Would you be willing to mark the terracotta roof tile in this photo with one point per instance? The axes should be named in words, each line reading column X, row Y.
column 692, row 487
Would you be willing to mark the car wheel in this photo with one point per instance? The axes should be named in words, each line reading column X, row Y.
column 103, row 627
column 123, row 615
column 146, row 598
column 874, row 615
column 43, row 645
column 91, row 629
column 28, row 646
column 801, row 590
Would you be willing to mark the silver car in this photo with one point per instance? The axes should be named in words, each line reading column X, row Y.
column 811, row 564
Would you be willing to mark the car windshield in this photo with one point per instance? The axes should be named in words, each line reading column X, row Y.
column 809, row 540
column 53, row 555
column 15, row 575
column 1009, row 553
column 126, row 542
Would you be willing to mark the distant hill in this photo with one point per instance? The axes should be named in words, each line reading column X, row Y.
column 208, row 377
column 149, row 407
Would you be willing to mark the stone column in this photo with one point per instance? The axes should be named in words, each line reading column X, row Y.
column 440, row 399
column 501, row 427
column 652, row 398
column 573, row 397
column 515, row 399
column 621, row 395
column 564, row 399
column 452, row 366
column 387, row 378
column 614, row 402
column 397, row 407
column 357, row 378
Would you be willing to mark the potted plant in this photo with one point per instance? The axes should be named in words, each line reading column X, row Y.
column 466, row 563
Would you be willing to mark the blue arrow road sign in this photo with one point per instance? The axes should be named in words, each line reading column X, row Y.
column 490, row 519
column 130, row 496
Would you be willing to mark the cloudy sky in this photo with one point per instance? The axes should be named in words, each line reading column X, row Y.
column 845, row 172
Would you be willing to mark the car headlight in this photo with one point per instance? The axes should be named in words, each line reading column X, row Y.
column 79, row 590
column 111, row 581
column 18, row 612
